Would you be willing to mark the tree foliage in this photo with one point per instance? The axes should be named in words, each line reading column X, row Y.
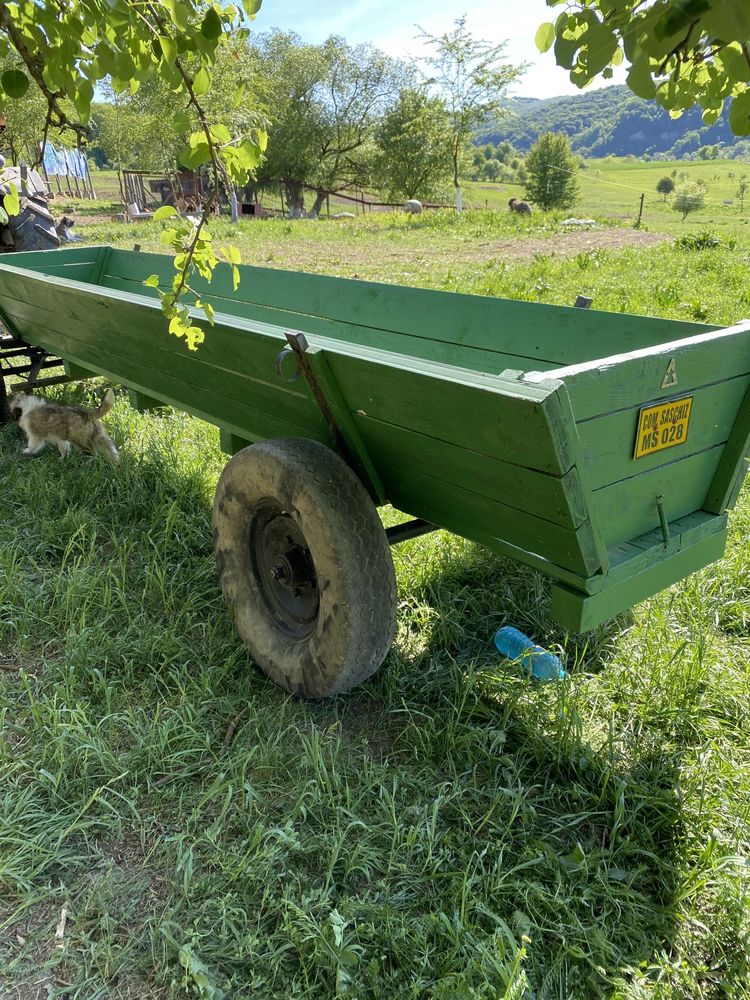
column 689, row 196
column 322, row 103
column 412, row 140
column 552, row 172
column 68, row 48
column 665, row 187
column 682, row 52
column 472, row 78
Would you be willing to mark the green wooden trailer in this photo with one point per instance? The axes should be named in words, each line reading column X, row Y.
column 602, row 449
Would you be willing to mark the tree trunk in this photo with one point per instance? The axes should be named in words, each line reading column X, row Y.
column 295, row 199
column 455, row 150
column 320, row 196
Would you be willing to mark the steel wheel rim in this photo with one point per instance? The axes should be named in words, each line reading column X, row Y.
column 283, row 567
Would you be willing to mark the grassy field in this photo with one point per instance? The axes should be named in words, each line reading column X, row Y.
column 448, row 830
column 613, row 187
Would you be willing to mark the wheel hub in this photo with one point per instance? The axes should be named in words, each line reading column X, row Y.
column 284, row 570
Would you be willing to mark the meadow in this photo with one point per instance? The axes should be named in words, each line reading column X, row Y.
column 447, row 830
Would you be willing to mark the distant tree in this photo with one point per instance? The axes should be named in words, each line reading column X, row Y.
column 665, row 187
column 322, row 103
column 741, row 192
column 412, row 159
column 552, row 172
column 689, row 196
column 472, row 79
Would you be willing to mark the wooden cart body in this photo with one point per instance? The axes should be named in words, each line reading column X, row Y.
column 510, row 423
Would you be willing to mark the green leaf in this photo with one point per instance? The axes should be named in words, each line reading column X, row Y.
column 728, row 20
column 232, row 254
column 235, row 278
column 152, row 281
column 545, row 36
column 14, row 82
column 211, row 26
column 10, row 202
column 739, row 113
column 220, row 133
column 165, row 212
column 168, row 49
column 640, row 79
column 179, row 13
column 182, row 123
column 239, row 94
column 202, row 81
column 251, row 7
column 711, row 115
column 193, row 156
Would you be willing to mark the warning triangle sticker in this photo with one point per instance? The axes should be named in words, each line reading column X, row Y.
column 670, row 376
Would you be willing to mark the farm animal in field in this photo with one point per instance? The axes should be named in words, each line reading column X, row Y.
column 413, row 207
column 45, row 422
column 522, row 207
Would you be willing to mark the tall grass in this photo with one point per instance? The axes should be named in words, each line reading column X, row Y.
column 448, row 830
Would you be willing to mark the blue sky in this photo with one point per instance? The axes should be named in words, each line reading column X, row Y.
column 391, row 26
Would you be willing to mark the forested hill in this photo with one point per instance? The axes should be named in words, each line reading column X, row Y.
column 612, row 121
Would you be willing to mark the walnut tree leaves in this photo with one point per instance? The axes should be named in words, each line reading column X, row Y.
column 681, row 52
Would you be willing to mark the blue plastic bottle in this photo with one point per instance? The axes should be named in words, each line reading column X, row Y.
column 531, row 658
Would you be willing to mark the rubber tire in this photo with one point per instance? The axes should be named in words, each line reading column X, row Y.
column 356, row 618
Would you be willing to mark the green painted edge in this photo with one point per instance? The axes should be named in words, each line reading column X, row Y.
column 142, row 402
column 358, row 453
column 730, row 474
column 580, row 612
column 564, row 433
column 231, row 443
column 77, row 372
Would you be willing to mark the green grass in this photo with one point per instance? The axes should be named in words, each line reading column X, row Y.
column 448, row 830
column 613, row 187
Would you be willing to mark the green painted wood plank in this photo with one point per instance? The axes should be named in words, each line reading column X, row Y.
column 732, row 468
column 141, row 402
column 248, row 417
column 551, row 498
column 40, row 260
column 231, row 351
column 77, row 271
column 77, row 372
column 273, row 400
column 225, row 361
column 626, row 381
column 580, row 612
column 459, row 355
column 481, row 519
column 608, row 442
column 533, row 331
column 628, row 508
column 358, row 455
column 501, row 423
column 505, row 418
column 230, row 443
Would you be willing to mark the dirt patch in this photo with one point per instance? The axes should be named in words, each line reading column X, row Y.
column 444, row 253
column 568, row 243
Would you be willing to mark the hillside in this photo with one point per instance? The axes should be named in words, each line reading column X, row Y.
column 613, row 122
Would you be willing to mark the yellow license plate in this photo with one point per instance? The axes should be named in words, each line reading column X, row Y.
column 663, row 425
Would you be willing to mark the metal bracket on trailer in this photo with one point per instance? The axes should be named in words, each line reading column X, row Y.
column 409, row 529
column 346, row 439
column 299, row 345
